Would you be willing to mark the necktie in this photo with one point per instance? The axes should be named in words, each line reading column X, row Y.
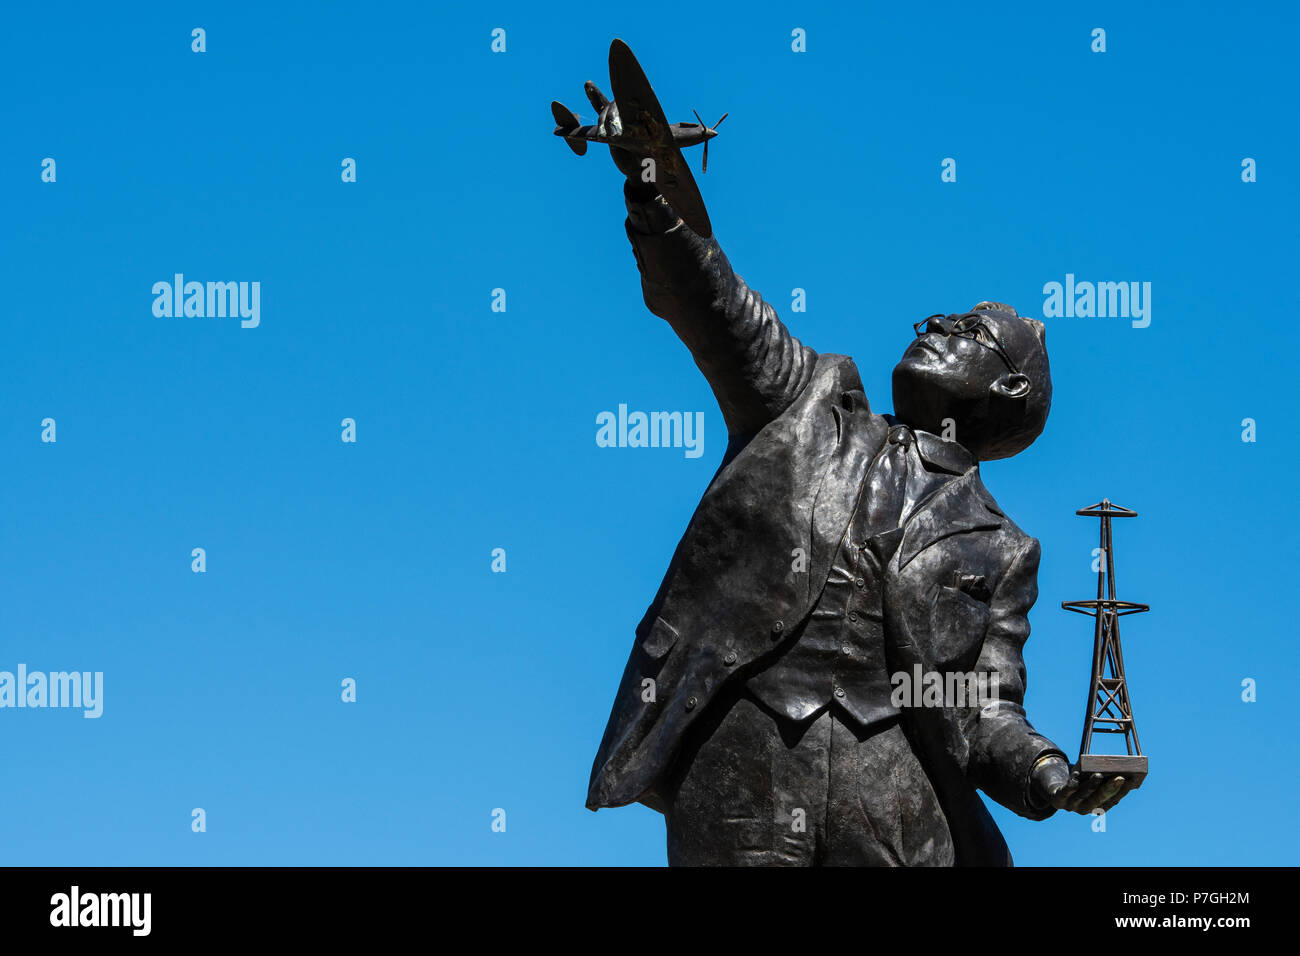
column 887, row 482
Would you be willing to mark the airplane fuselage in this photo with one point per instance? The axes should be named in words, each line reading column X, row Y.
column 684, row 134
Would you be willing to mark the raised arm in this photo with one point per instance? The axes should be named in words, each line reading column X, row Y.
column 754, row 365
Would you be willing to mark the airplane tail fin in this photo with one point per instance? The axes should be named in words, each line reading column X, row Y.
column 565, row 121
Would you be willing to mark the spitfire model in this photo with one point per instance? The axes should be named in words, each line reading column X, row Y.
column 636, row 119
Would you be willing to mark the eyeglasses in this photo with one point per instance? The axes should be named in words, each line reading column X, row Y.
column 971, row 325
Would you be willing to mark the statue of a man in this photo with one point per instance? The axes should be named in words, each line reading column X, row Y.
column 837, row 556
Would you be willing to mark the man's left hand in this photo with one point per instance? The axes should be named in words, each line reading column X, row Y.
column 1065, row 788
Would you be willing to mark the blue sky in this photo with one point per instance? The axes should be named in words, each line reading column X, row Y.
column 476, row 429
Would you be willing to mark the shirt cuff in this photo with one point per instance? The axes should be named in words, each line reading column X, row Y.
column 1031, row 796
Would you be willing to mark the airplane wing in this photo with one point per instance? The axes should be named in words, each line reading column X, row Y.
column 674, row 179
column 639, row 108
column 636, row 100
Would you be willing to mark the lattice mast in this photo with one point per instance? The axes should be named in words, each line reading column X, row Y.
column 1109, row 709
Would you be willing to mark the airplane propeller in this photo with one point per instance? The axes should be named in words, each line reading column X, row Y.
column 707, row 131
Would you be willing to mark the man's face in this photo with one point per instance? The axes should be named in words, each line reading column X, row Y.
column 951, row 374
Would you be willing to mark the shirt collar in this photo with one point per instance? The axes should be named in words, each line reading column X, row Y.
column 949, row 456
column 946, row 455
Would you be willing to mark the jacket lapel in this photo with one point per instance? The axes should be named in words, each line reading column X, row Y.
column 960, row 505
column 859, row 436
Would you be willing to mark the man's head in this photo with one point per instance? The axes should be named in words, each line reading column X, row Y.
column 986, row 370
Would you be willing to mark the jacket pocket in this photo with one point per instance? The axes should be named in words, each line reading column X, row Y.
column 660, row 640
column 957, row 625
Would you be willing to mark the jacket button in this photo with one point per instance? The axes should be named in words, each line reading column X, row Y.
column 778, row 627
column 690, row 704
column 730, row 658
column 839, row 691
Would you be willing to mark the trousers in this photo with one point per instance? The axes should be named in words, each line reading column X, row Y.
column 754, row 788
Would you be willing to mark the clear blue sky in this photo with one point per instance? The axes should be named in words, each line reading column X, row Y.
column 476, row 429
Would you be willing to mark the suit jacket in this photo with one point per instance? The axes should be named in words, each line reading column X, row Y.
column 959, row 576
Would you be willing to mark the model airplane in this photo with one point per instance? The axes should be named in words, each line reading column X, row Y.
column 638, row 123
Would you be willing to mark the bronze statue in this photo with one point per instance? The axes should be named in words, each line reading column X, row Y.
column 837, row 554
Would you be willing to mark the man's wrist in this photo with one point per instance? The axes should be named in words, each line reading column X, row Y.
column 1049, row 771
column 651, row 216
column 637, row 191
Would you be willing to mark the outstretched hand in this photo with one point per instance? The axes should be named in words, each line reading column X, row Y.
column 1065, row 788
